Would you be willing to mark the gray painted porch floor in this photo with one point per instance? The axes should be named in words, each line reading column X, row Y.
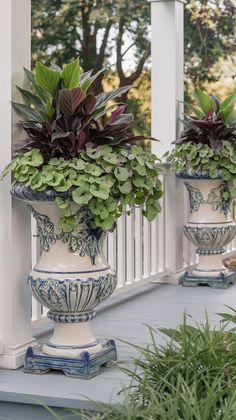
column 124, row 319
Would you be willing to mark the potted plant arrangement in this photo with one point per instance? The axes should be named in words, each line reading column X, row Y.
column 205, row 157
column 77, row 170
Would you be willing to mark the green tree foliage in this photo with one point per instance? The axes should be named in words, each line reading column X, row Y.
column 107, row 32
column 95, row 30
column 210, row 34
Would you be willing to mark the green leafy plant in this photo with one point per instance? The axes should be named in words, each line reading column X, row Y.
column 208, row 143
column 190, row 158
column 104, row 179
column 80, row 145
column 64, row 115
column 192, row 376
column 210, row 122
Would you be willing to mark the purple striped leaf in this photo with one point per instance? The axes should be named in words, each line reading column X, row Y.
column 115, row 114
column 69, row 100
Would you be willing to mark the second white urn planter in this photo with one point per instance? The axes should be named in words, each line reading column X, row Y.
column 210, row 228
column 71, row 278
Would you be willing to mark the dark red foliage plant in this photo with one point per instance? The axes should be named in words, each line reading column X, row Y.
column 64, row 116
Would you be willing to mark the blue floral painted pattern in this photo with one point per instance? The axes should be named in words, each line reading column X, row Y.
column 85, row 240
column 73, row 296
column 210, row 240
column 215, row 198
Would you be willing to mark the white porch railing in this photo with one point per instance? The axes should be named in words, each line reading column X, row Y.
column 140, row 251
column 136, row 250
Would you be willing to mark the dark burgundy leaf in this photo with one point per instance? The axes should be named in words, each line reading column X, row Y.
column 60, row 135
column 216, row 144
column 79, row 119
column 210, row 115
column 76, row 124
column 89, row 103
column 115, row 114
column 72, row 138
column 124, row 119
column 82, row 138
column 69, row 100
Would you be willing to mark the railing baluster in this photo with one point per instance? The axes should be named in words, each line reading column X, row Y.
column 130, row 247
column 146, row 247
column 111, row 246
column 121, row 252
column 161, row 231
column 138, row 244
column 154, row 253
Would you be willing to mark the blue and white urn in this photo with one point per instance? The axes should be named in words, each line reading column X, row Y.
column 72, row 275
column 210, row 227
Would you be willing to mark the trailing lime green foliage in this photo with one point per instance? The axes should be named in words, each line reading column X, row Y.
column 104, row 179
column 192, row 376
column 191, row 158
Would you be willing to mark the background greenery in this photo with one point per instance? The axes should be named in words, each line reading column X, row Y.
column 104, row 32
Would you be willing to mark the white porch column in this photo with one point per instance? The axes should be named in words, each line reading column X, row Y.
column 15, row 250
column 167, row 89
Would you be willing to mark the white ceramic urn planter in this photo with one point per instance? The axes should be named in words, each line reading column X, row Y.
column 71, row 278
column 210, row 228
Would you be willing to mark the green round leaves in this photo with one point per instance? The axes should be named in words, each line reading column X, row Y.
column 100, row 190
column 191, row 158
column 121, row 173
column 93, row 169
column 104, row 179
column 81, row 195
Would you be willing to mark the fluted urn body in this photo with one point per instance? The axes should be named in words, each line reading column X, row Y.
column 210, row 228
column 72, row 275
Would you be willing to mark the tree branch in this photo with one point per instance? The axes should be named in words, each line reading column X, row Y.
column 118, row 51
column 129, row 80
column 135, row 75
column 103, row 46
column 127, row 49
column 88, row 51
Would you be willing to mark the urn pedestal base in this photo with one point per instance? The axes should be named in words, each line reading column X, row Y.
column 85, row 366
column 71, row 340
column 220, row 281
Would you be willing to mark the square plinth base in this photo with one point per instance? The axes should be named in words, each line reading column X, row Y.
column 221, row 281
column 85, row 367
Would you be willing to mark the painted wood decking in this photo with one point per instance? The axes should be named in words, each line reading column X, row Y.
column 124, row 319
